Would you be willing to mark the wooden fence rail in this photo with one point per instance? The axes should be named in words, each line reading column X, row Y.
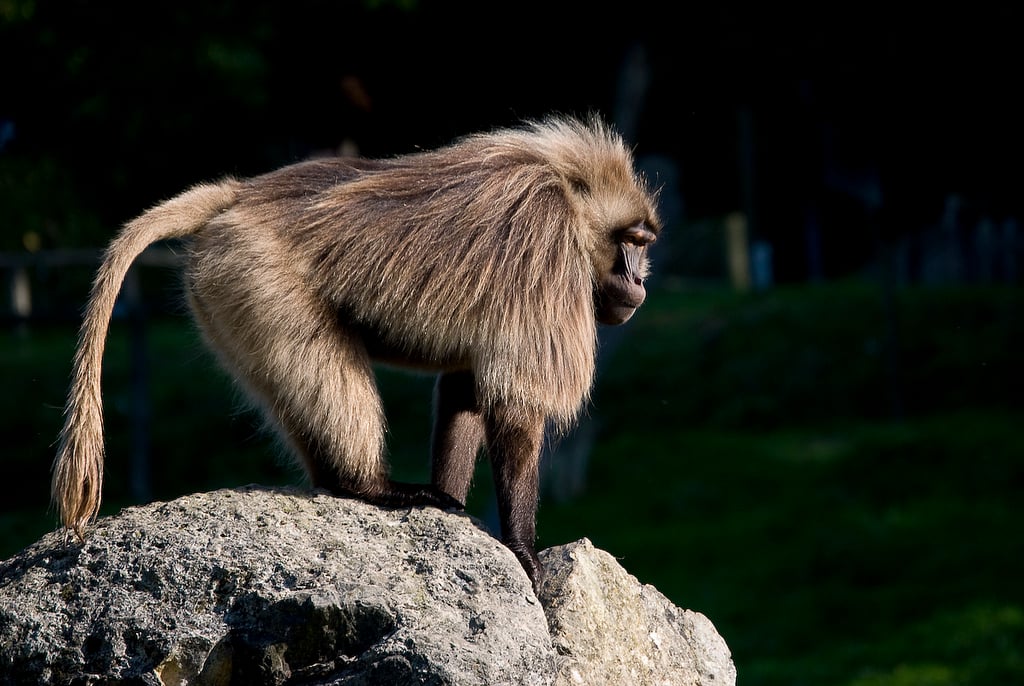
column 19, row 267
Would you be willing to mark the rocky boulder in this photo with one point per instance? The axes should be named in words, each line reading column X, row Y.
column 283, row 586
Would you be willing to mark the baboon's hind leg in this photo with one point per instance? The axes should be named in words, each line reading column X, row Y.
column 314, row 382
column 458, row 433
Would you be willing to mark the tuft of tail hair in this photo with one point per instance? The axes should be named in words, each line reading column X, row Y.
column 77, row 479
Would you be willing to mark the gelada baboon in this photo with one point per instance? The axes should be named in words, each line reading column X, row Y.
column 489, row 261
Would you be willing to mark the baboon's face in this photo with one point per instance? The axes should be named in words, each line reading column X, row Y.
column 621, row 290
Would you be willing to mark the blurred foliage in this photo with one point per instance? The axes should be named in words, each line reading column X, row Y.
column 121, row 105
column 113, row 106
column 808, row 354
column 40, row 206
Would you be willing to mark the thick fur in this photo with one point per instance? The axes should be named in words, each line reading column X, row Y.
column 479, row 260
column 78, row 470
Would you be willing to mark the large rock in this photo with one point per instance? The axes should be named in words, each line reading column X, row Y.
column 279, row 586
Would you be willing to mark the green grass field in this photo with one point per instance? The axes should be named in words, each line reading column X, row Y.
column 835, row 484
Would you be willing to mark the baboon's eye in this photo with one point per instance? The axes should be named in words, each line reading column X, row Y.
column 638, row 234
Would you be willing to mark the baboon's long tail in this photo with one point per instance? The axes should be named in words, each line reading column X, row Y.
column 78, row 467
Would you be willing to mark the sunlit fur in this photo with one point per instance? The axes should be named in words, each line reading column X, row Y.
column 483, row 255
column 78, row 469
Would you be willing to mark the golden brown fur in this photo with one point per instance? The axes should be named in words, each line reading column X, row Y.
column 482, row 260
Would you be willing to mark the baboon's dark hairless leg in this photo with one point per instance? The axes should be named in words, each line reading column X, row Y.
column 514, row 441
column 458, row 433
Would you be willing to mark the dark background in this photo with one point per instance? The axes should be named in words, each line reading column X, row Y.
column 826, row 464
column 798, row 118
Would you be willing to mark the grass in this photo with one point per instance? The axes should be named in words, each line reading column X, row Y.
column 837, row 489
column 824, row 556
